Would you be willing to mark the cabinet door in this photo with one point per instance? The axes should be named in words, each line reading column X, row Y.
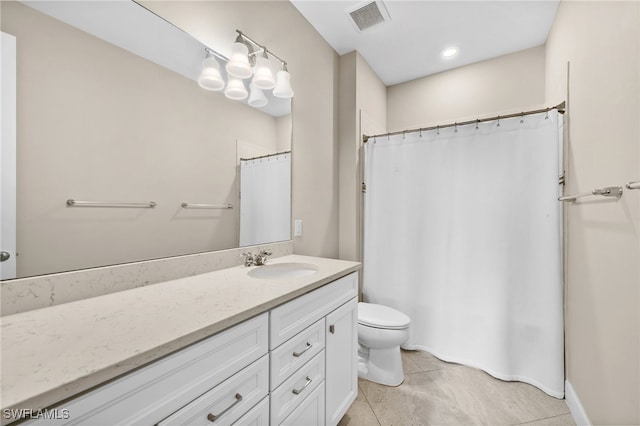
column 341, row 372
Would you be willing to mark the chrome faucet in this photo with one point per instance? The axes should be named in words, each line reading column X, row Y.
column 256, row 259
column 261, row 258
column 249, row 260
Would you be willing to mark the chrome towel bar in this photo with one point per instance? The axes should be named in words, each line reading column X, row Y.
column 633, row 185
column 76, row 203
column 610, row 191
column 206, row 206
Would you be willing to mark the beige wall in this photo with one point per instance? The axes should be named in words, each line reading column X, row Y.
column 347, row 237
column 371, row 95
column 98, row 123
column 313, row 65
column 601, row 42
column 501, row 85
column 283, row 133
column 362, row 110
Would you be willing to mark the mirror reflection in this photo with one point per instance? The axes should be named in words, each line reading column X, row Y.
column 99, row 120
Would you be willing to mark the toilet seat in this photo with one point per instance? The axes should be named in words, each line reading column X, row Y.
column 379, row 316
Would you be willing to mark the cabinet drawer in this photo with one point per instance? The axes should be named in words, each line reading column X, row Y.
column 291, row 318
column 153, row 392
column 296, row 388
column 257, row 416
column 295, row 352
column 228, row 401
column 310, row 412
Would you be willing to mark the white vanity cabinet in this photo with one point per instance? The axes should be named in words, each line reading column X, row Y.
column 156, row 391
column 318, row 328
column 294, row 365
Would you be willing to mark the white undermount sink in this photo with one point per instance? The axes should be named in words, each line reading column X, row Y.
column 276, row 271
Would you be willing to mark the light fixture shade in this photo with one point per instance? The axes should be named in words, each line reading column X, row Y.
column 235, row 89
column 257, row 98
column 283, row 85
column 210, row 78
column 263, row 76
column 238, row 65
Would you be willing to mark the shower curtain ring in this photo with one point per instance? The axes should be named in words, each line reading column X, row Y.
column 420, row 132
column 437, row 129
column 546, row 117
column 404, row 134
column 455, row 127
column 498, row 125
column 521, row 117
column 477, row 122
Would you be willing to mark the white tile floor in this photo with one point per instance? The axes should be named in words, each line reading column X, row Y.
column 440, row 393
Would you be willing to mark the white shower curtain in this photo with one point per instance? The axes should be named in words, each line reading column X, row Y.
column 463, row 234
column 265, row 199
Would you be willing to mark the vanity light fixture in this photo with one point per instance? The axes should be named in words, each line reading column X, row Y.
column 248, row 59
column 257, row 98
column 238, row 65
column 283, row 84
column 235, row 89
column 210, row 77
column 263, row 76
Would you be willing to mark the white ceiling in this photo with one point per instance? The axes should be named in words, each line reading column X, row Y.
column 410, row 45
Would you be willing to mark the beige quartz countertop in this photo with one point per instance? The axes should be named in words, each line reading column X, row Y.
column 53, row 353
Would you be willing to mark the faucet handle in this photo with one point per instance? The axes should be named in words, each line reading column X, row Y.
column 248, row 258
column 261, row 257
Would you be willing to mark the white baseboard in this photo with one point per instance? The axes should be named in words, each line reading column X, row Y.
column 575, row 406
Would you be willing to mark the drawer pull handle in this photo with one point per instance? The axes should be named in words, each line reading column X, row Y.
column 297, row 391
column 332, row 329
column 298, row 354
column 214, row 417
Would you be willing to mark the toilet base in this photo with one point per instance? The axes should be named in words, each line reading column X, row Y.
column 383, row 366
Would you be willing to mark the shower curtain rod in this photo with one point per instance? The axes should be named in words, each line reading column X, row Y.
column 560, row 107
column 275, row 154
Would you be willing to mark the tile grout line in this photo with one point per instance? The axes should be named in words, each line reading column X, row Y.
column 369, row 404
column 540, row 419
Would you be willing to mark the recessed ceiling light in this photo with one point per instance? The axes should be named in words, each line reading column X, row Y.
column 449, row 52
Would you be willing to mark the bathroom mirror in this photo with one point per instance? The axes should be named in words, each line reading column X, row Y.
column 108, row 110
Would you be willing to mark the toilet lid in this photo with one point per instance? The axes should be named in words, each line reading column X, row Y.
column 380, row 316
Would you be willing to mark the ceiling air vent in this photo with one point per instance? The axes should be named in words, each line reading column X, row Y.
column 369, row 14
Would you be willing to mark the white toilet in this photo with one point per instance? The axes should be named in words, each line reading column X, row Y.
column 381, row 331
